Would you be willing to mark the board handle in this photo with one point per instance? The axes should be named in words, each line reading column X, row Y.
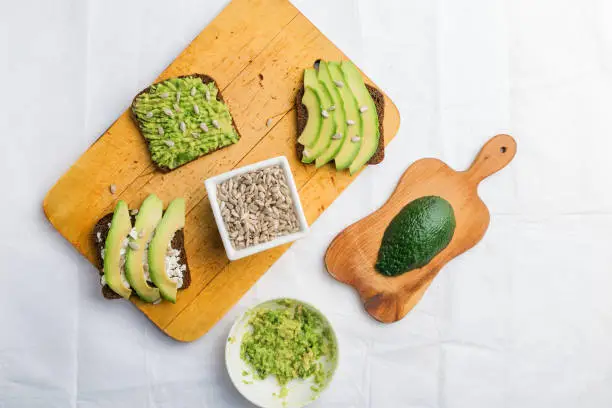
column 494, row 156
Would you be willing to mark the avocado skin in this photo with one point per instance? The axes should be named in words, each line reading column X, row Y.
column 420, row 231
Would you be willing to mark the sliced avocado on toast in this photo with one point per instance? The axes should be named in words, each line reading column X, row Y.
column 328, row 122
column 311, row 131
column 338, row 113
column 367, row 109
column 114, row 250
column 172, row 221
column 136, row 263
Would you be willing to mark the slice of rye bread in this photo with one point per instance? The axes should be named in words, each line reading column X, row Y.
column 178, row 242
column 379, row 101
column 206, row 79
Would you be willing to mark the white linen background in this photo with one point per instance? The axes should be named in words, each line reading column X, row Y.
column 522, row 320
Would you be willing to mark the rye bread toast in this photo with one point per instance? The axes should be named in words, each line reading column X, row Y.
column 205, row 79
column 379, row 101
column 102, row 227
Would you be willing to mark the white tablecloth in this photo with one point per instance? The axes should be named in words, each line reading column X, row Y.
column 522, row 320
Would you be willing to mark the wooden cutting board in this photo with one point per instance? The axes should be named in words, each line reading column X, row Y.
column 257, row 51
column 352, row 254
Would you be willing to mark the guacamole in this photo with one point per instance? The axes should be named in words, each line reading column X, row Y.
column 182, row 119
column 288, row 343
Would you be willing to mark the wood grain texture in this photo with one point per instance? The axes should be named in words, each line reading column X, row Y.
column 352, row 255
column 257, row 51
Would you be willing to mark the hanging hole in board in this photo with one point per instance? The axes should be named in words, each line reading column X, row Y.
column 503, row 149
column 316, row 64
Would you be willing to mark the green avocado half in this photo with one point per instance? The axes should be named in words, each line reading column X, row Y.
column 136, row 259
column 172, row 221
column 121, row 225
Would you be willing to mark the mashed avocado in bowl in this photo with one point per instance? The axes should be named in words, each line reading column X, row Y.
column 281, row 353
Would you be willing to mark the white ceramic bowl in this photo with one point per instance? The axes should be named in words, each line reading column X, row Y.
column 211, row 188
column 259, row 392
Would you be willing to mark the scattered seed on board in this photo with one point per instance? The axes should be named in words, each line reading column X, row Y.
column 196, row 108
column 204, row 127
column 355, row 139
column 112, row 188
column 133, row 245
column 216, row 124
column 149, row 114
column 269, row 122
column 168, row 112
column 193, row 91
column 164, row 95
column 169, row 143
column 339, row 84
column 160, row 130
column 182, row 126
column 350, row 122
column 337, row 136
column 134, row 211
column 332, row 108
column 324, row 113
column 363, row 109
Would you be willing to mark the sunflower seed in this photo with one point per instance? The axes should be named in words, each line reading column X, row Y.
column 168, row 112
column 350, row 122
column 332, row 108
column 133, row 245
column 337, row 136
column 363, row 109
column 207, row 95
column 178, row 96
column 324, row 113
column 195, row 135
column 169, row 143
column 355, row 139
column 306, row 153
column 112, row 188
column 141, row 233
column 204, row 127
column 164, row 95
column 134, row 211
column 149, row 114
column 182, row 126
column 269, row 122
column 339, row 84
column 177, row 107
column 160, row 130
column 193, row 91
column 216, row 124
column 196, row 108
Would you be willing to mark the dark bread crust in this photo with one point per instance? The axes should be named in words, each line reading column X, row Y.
column 205, row 79
column 379, row 101
column 178, row 242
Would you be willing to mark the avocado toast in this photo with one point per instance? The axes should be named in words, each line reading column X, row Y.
column 339, row 99
column 182, row 119
column 127, row 275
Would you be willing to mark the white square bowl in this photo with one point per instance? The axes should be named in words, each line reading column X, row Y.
column 211, row 188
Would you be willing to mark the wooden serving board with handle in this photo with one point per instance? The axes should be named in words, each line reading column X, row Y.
column 352, row 254
column 256, row 50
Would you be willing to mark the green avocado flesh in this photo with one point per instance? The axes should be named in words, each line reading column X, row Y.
column 338, row 113
column 313, row 125
column 117, row 235
column 289, row 343
column 172, row 221
column 352, row 140
column 328, row 124
column 420, row 231
column 148, row 216
column 181, row 119
column 369, row 132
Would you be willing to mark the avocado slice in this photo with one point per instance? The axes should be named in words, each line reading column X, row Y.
column 338, row 113
column 114, row 247
column 328, row 123
column 313, row 125
column 419, row 232
column 148, row 216
column 352, row 140
column 369, row 132
column 172, row 221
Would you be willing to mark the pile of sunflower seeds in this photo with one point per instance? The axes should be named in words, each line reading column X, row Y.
column 257, row 207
